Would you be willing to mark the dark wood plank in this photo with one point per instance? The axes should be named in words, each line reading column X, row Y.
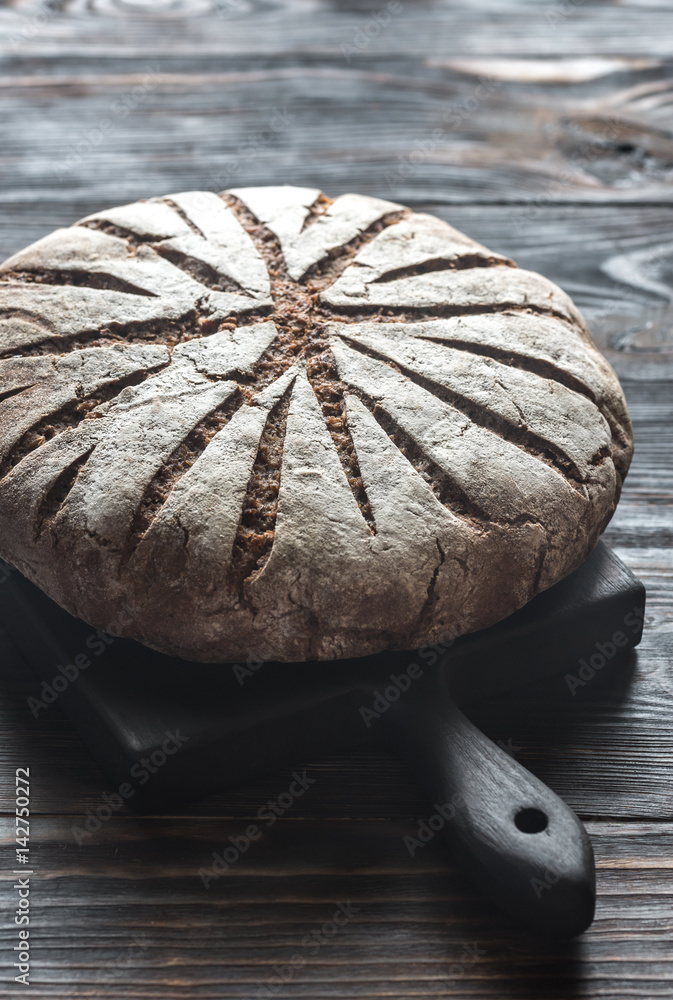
column 107, row 108
column 412, row 918
column 566, row 163
column 315, row 31
column 403, row 135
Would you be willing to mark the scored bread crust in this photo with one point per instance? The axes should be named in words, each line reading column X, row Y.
column 267, row 424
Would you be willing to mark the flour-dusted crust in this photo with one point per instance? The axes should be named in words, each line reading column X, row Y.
column 269, row 424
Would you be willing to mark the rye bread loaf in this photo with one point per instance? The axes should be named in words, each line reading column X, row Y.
column 267, row 423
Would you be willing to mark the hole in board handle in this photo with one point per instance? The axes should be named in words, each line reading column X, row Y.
column 531, row 820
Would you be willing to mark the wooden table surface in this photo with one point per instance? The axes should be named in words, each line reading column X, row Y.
column 545, row 130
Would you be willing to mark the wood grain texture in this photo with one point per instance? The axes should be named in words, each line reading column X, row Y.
column 413, row 918
column 413, row 131
column 565, row 164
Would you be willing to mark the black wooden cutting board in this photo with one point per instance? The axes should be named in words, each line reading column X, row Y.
column 233, row 721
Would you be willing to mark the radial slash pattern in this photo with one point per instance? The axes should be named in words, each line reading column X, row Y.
column 269, row 423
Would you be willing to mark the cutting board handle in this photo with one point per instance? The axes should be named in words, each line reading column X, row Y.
column 509, row 832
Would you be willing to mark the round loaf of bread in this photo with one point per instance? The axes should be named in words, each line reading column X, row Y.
column 269, row 424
